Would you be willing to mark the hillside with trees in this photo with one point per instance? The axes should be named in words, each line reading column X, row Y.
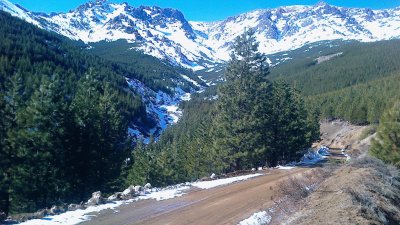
column 253, row 122
column 358, row 85
column 64, row 119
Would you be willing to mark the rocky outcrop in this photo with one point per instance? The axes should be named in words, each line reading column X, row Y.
column 73, row 207
column 115, row 197
column 96, row 199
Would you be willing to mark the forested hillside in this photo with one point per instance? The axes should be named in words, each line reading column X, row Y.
column 64, row 119
column 252, row 122
column 356, row 85
column 157, row 74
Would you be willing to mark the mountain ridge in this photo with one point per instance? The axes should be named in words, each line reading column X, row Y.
column 166, row 34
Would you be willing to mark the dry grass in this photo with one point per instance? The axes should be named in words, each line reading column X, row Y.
column 366, row 191
column 378, row 199
column 293, row 192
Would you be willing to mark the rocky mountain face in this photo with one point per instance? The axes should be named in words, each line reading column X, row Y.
column 166, row 34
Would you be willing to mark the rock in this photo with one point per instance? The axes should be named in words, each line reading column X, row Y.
column 73, row 207
column 3, row 216
column 253, row 169
column 138, row 189
column 212, row 176
column 147, row 186
column 41, row 213
column 260, row 168
column 116, row 196
column 56, row 210
column 129, row 192
column 96, row 199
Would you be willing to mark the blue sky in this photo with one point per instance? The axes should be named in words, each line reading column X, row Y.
column 204, row 10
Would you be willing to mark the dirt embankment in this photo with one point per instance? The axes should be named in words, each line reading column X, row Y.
column 363, row 191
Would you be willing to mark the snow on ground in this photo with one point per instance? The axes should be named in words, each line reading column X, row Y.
column 215, row 183
column 285, row 167
column 346, row 155
column 313, row 157
column 259, row 218
column 81, row 215
column 74, row 217
column 310, row 158
column 190, row 80
column 166, row 193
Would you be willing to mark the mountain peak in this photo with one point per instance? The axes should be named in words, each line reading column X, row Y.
column 321, row 3
column 165, row 33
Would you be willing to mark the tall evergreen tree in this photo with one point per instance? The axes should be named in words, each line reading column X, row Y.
column 242, row 98
column 386, row 146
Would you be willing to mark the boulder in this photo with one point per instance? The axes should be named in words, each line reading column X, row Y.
column 41, row 213
column 73, row 207
column 56, row 210
column 147, row 186
column 212, row 176
column 138, row 189
column 129, row 192
column 260, row 168
column 96, row 199
column 115, row 197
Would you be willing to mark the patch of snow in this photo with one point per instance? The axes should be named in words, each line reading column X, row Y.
column 219, row 182
column 190, row 80
column 186, row 97
column 313, row 157
column 285, row 167
column 259, row 218
column 164, row 108
column 82, row 215
column 346, row 155
column 310, row 158
column 175, row 191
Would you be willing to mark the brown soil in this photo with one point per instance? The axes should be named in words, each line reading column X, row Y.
column 340, row 134
column 222, row 205
column 330, row 204
column 333, row 202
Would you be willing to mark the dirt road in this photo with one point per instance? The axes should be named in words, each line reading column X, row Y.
column 226, row 204
column 221, row 205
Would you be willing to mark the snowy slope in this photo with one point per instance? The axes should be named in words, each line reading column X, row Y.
column 291, row 27
column 166, row 34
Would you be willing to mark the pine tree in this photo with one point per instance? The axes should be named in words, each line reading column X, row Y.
column 11, row 103
column 386, row 146
column 240, row 104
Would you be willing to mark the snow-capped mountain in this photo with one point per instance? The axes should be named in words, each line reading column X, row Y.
column 166, row 34
column 290, row 27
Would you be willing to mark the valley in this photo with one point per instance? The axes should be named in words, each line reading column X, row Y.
column 115, row 113
column 232, row 203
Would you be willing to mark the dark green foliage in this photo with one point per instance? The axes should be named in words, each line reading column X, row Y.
column 356, row 86
column 259, row 122
column 64, row 119
column 386, row 145
column 253, row 122
column 156, row 74
column 359, row 63
column 362, row 103
column 184, row 152
column 243, row 104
